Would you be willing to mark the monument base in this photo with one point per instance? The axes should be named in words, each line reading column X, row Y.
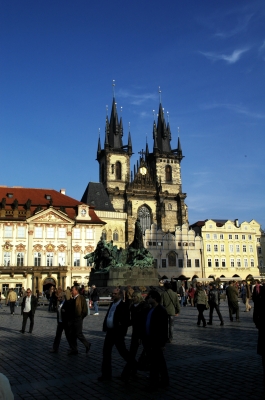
column 124, row 276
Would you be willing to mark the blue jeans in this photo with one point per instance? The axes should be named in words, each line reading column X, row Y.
column 95, row 304
column 183, row 300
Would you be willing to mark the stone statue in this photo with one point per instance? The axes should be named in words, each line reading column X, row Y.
column 106, row 255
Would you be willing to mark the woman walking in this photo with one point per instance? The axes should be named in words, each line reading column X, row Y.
column 202, row 303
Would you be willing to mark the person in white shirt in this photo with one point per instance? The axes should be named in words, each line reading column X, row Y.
column 28, row 308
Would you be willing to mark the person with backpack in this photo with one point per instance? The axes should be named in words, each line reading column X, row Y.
column 214, row 301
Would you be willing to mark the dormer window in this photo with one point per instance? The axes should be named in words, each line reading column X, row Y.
column 48, row 196
column 10, row 195
column 83, row 212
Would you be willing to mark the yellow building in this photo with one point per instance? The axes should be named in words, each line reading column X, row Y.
column 230, row 249
column 44, row 236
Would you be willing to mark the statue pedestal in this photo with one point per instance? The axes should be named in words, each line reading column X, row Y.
column 124, row 276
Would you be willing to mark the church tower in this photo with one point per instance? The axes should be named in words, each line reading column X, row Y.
column 114, row 160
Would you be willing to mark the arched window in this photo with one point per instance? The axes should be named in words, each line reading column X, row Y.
column 118, row 170
column 104, row 235
column 145, row 218
column 168, row 173
column 115, row 236
column 172, row 259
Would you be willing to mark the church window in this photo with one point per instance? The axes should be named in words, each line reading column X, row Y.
column 20, row 259
column 180, row 263
column 168, row 173
column 115, row 236
column 172, row 259
column 164, row 263
column 37, row 259
column 145, row 218
column 104, row 235
column 118, row 170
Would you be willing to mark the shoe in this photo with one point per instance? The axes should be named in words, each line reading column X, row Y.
column 72, row 352
column 209, row 323
column 221, row 324
column 88, row 348
column 30, row 331
column 96, row 313
column 104, row 378
column 21, row 331
column 53, row 351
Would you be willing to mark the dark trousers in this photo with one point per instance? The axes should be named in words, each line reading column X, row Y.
column 170, row 327
column 216, row 307
column 27, row 315
column 201, row 308
column 158, row 366
column 113, row 338
column 131, row 365
column 75, row 331
column 12, row 306
column 60, row 328
column 233, row 310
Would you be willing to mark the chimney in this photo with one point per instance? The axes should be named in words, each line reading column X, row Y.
column 62, row 191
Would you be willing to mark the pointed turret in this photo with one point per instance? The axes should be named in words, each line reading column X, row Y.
column 129, row 143
column 179, row 149
column 146, row 151
column 163, row 132
column 99, row 145
column 115, row 128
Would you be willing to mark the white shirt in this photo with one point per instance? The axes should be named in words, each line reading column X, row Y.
column 111, row 314
column 27, row 307
column 60, row 311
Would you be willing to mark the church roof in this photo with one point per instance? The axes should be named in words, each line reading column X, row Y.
column 96, row 195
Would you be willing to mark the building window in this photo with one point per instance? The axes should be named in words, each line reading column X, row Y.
column 258, row 240
column 8, row 232
column 229, row 236
column 118, row 170
column 37, row 259
column 207, row 235
column 215, row 247
column 223, row 262
column 77, row 233
column 76, row 259
column 61, row 259
column 231, row 248
column 61, row 233
column 245, row 262
column 7, row 259
column 115, row 236
column 21, row 231
column 216, row 263
column 232, row 262
column 237, row 248
column 20, row 259
column 209, row 262
column 104, row 235
column 145, row 218
column 208, row 247
column 236, row 236
column 38, row 232
column 251, row 262
column 197, row 263
column 243, row 237
column 179, row 244
column 164, row 263
column 172, row 259
column 215, row 236
column 180, row 263
column 168, row 173
column 89, row 234
column 261, row 263
column 249, row 237
column 244, row 248
column 238, row 262
column 222, row 247
column 221, row 236
column 49, row 258
column 189, row 263
column 89, row 263
column 50, row 233
column 251, row 249
column 259, row 250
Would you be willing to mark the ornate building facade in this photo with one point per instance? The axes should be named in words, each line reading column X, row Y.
column 44, row 236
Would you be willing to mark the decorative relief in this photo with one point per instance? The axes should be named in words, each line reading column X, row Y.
column 7, row 246
column 77, row 249
column 31, row 232
column 21, row 247
column 37, row 248
column 50, row 217
column 50, row 247
column 89, row 249
column 61, row 248
column 69, row 233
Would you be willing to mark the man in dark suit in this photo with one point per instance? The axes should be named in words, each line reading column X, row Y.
column 155, row 341
column 28, row 308
column 232, row 299
column 115, row 325
column 62, row 323
column 75, row 314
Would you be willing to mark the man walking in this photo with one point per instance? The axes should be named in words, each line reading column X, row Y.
column 214, row 301
column 245, row 295
column 170, row 301
column 115, row 325
column 11, row 298
column 77, row 312
column 232, row 299
column 28, row 308
column 62, row 323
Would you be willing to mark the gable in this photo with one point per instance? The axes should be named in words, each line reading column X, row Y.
column 50, row 216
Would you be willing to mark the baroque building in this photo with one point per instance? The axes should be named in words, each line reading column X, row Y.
column 44, row 236
column 152, row 192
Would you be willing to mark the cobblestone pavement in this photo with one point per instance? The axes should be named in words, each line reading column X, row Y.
column 216, row 362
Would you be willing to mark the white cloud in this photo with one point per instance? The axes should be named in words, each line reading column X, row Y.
column 239, row 109
column 137, row 99
column 230, row 59
column 242, row 24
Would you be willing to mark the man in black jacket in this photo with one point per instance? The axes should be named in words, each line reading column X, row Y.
column 62, row 323
column 28, row 308
column 115, row 325
column 155, row 341
column 214, row 301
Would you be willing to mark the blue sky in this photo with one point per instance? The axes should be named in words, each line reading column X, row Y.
column 58, row 60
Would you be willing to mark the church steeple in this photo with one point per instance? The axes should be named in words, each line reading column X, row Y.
column 163, row 136
column 115, row 128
